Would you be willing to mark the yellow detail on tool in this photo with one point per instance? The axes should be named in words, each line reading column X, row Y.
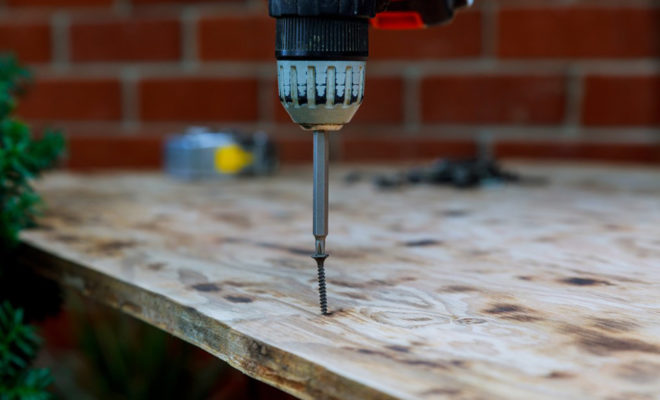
column 232, row 159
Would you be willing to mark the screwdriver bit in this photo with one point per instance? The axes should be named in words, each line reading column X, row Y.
column 320, row 209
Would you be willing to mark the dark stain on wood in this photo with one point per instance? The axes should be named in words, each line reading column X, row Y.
column 236, row 283
column 112, row 247
column 457, row 289
column 522, row 317
column 422, row 243
column 470, row 321
column 599, row 343
column 512, row 312
column 504, row 309
column 156, row 266
column 613, row 325
column 425, row 363
column 206, row 287
column 239, row 299
column 422, row 363
column 525, row 278
column 578, row 281
column 459, row 363
column 381, row 282
column 337, row 313
column 455, row 213
column 559, row 375
column 371, row 352
column 400, row 349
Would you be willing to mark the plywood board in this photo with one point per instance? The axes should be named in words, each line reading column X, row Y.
column 549, row 291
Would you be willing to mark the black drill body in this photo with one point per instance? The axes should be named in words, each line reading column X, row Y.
column 338, row 29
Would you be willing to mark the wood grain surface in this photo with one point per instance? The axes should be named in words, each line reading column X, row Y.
column 528, row 291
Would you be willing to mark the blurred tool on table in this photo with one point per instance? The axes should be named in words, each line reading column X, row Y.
column 201, row 153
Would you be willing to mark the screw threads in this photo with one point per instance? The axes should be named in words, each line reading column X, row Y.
column 323, row 298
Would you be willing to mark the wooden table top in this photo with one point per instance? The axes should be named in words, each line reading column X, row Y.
column 517, row 291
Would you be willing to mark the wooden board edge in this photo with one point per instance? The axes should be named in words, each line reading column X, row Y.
column 254, row 358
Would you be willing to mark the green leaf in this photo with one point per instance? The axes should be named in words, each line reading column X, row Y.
column 31, row 385
column 22, row 158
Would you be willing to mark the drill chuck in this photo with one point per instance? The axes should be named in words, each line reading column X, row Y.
column 321, row 94
column 321, row 68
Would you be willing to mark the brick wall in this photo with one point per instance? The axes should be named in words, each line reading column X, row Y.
column 531, row 78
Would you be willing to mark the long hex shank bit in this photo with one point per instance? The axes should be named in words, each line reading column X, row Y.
column 320, row 228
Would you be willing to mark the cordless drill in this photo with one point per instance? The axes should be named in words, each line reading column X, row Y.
column 321, row 48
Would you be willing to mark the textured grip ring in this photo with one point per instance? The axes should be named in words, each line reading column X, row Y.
column 321, row 93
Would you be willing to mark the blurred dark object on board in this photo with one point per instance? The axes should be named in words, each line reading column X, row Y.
column 459, row 173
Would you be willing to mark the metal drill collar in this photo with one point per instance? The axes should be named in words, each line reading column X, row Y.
column 321, row 94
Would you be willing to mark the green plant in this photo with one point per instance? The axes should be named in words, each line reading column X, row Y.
column 19, row 344
column 21, row 156
column 21, row 160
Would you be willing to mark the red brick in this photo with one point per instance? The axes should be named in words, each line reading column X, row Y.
column 114, row 152
column 126, row 40
column 579, row 33
column 73, row 99
column 59, row 3
column 611, row 152
column 621, row 100
column 383, row 103
column 237, row 38
column 460, row 39
column 29, row 42
column 295, row 150
column 493, row 99
column 403, row 148
column 198, row 99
